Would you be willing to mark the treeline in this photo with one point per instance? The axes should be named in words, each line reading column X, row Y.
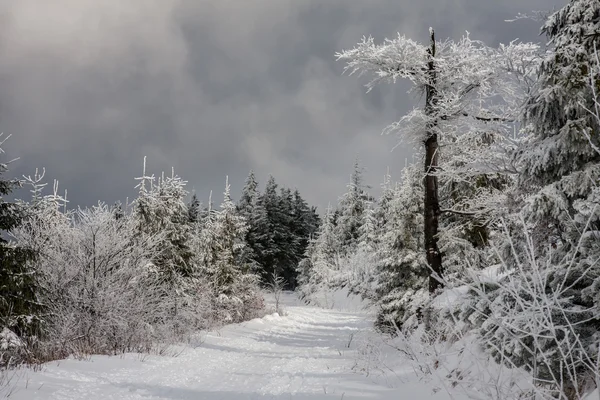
column 281, row 224
column 495, row 232
column 111, row 279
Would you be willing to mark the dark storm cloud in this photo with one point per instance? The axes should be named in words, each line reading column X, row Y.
column 213, row 88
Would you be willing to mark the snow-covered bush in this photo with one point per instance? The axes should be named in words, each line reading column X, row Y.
column 543, row 316
column 101, row 291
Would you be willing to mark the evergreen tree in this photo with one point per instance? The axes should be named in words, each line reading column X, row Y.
column 194, row 208
column 160, row 209
column 352, row 208
column 402, row 267
column 277, row 226
column 19, row 305
column 290, row 244
column 306, row 221
column 320, row 269
column 382, row 208
column 280, row 223
column 258, row 238
column 229, row 229
column 558, row 187
column 561, row 163
column 233, row 284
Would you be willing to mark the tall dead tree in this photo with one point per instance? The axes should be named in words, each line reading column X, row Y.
column 432, row 201
column 468, row 88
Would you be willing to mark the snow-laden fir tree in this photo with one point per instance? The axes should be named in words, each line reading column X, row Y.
column 352, row 208
column 19, row 302
column 561, row 163
column 233, row 284
column 305, row 222
column 556, row 251
column 161, row 208
column 467, row 87
column 402, row 267
column 382, row 207
column 320, row 271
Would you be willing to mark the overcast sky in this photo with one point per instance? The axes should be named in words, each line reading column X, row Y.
column 213, row 88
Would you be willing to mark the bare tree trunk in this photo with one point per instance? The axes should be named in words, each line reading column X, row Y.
column 431, row 201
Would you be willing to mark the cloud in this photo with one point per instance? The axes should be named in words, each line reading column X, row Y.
column 212, row 88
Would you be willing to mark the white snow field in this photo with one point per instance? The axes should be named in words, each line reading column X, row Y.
column 303, row 355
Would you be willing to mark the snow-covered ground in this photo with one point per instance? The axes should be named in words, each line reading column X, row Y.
column 303, row 355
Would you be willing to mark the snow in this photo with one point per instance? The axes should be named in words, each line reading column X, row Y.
column 301, row 355
column 9, row 341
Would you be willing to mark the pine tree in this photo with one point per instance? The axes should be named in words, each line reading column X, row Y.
column 19, row 305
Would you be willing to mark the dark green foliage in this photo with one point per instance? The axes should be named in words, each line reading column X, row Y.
column 194, row 210
column 280, row 225
column 19, row 306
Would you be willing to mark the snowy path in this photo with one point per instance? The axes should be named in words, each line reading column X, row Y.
column 303, row 355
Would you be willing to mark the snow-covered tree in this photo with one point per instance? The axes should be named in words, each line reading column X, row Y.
column 382, row 208
column 552, row 257
column 19, row 301
column 402, row 267
column 305, row 222
column 320, row 270
column 233, row 283
column 161, row 208
column 561, row 164
column 467, row 86
column 228, row 230
column 290, row 254
column 194, row 210
column 352, row 208
column 257, row 237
